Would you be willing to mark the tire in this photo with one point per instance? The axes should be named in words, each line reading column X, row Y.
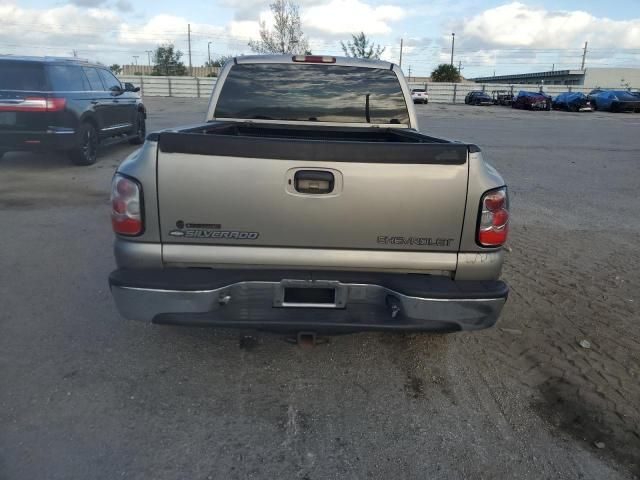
column 140, row 131
column 86, row 152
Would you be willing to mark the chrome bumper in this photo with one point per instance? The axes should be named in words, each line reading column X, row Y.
column 356, row 306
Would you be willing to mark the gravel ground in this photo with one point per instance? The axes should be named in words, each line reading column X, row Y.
column 87, row 394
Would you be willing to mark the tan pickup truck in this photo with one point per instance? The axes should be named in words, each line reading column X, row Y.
column 309, row 201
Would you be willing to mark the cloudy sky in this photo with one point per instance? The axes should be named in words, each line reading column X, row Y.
column 500, row 36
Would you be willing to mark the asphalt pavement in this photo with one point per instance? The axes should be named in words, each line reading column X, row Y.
column 85, row 394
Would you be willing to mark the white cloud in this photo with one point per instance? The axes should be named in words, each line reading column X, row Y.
column 244, row 29
column 350, row 16
column 519, row 25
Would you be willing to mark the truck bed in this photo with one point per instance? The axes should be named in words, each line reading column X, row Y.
column 314, row 143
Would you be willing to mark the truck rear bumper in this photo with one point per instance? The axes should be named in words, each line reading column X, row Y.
column 321, row 301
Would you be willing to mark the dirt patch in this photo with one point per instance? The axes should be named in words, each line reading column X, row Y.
column 564, row 298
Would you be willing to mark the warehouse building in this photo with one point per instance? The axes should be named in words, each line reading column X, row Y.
column 589, row 77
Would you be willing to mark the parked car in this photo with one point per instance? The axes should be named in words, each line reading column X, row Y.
column 419, row 95
column 572, row 102
column 478, row 97
column 65, row 104
column 594, row 92
column 502, row 97
column 616, row 101
column 532, row 101
column 358, row 220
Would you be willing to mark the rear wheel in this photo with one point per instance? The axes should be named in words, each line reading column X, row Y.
column 140, row 130
column 85, row 153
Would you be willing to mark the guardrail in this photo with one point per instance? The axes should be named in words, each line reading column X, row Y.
column 201, row 87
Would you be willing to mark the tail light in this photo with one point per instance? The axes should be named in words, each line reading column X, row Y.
column 493, row 225
column 36, row 104
column 313, row 59
column 126, row 206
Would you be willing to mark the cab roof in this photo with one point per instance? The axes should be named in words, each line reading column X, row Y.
column 289, row 58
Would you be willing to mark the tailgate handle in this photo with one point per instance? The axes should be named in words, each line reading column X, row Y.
column 314, row 181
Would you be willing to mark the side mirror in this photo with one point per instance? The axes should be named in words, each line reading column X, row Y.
column 129, row 87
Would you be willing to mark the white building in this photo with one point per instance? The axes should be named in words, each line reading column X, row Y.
column 589, row 77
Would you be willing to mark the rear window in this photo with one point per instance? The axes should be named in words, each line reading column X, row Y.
column 18, row 75
column 418, row 90
column 67, row 78
column 323, row 93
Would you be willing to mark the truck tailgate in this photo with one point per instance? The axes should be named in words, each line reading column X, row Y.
column 311, row 194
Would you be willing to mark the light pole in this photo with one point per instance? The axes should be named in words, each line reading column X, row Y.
column 149, row 52
column 453, row 43
column 135, row 59
column 209, row 52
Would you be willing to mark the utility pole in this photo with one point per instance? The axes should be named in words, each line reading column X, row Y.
column 553, row 67
column 400, row 65
column 149, row 52
column 209, row 52
column 409, row 72
column 459, row 66
column 189, row 38
column 453, row 43
column 584, row 55
column 135, row 59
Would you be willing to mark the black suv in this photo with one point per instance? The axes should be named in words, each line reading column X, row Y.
column 65, row 104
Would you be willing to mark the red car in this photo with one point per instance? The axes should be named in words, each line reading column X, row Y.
column 531, row 101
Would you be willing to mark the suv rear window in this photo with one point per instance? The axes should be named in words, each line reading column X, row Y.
column 323, row 93
column 19, row 75
column 67, row 78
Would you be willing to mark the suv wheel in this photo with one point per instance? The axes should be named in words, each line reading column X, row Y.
column 86, row 151
column 140, row 131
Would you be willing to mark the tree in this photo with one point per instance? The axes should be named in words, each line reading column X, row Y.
column 218, row 62
column 362, row 47
column 445, row 73
column 286, row 35
column 116, row 69
column 167, row 61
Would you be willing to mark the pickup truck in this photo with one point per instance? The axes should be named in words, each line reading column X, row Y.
column 307, row 201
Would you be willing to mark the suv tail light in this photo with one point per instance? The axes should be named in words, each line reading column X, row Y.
column 36, row 104
column 126, row 206
column 493, row 225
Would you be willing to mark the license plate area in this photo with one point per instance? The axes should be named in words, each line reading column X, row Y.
column 310, row 294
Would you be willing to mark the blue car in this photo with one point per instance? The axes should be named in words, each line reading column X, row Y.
column 616, row 101
column 572, row 102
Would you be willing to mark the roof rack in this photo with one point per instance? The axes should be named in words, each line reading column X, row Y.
column 12, row 56
column 67, row 59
